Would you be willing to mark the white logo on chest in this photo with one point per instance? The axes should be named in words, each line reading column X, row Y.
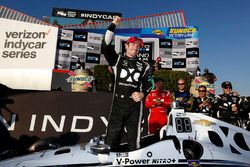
column 130, row 75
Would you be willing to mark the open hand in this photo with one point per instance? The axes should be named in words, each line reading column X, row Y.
column 117, row 20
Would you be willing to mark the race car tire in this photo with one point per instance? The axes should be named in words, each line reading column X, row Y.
column 192, row 149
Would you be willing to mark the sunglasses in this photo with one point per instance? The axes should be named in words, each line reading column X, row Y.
column 201, row 90
column 181, row 83
column 227, row 87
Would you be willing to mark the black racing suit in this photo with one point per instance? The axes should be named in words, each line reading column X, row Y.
column 131, row 75
column 224, row 104
column 197, row 101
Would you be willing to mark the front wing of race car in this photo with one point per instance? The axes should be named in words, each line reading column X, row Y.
column 98, row 154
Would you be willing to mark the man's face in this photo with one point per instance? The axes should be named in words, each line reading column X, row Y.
column 227, row 89
column 181, row 85
column 132, row 49
column 202, row 92
column 159, row 85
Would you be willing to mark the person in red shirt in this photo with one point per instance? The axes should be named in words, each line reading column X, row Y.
column 157, row 101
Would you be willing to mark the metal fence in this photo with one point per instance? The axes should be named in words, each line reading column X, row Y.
column 18, row 16
column 162, row 20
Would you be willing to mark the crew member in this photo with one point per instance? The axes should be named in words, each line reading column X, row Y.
column 203, row 104
column 227, row 104
column 158, row 101
column 182, row 97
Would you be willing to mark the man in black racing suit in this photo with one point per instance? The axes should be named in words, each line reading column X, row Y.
column 203, row 103
column 131, row 83
column 227, row 105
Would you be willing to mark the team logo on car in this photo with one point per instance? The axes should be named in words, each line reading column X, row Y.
column 204, row 122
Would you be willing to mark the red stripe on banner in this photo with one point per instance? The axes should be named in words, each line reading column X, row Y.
column 61, row 71
column 23, row 14
column 183, row 17
column 134, row 18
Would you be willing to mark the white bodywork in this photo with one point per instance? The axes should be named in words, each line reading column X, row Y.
column 219, row 144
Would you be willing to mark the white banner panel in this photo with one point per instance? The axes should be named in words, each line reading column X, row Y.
column 27, row 45
column 27, row 54
column 39, row 79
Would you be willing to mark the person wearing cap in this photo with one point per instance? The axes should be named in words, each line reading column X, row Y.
column 158, row 101
column 227, row 104
column 157, row 64
column 130, row 87
column 203, row 103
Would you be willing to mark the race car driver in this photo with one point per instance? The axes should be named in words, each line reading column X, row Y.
column 131, row 86
column 158, row 101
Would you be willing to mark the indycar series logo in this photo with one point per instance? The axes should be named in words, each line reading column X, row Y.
column 24, row 44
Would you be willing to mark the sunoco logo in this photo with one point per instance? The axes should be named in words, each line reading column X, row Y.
column 80, row 78
column 73, row 79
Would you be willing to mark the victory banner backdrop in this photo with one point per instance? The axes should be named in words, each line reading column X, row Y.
column 76, row 47
column 177, row 47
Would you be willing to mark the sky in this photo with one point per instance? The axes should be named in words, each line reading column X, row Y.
column 224, row 32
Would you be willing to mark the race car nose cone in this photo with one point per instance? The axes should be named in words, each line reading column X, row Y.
column 100, row 149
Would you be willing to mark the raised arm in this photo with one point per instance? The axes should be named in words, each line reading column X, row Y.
column 107, row 49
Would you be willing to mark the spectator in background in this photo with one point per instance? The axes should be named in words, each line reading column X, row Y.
column 182, row 97
column 227, row 104
column 203, row 104
column 157, row 101
column 211, row 78
column 157, row 64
